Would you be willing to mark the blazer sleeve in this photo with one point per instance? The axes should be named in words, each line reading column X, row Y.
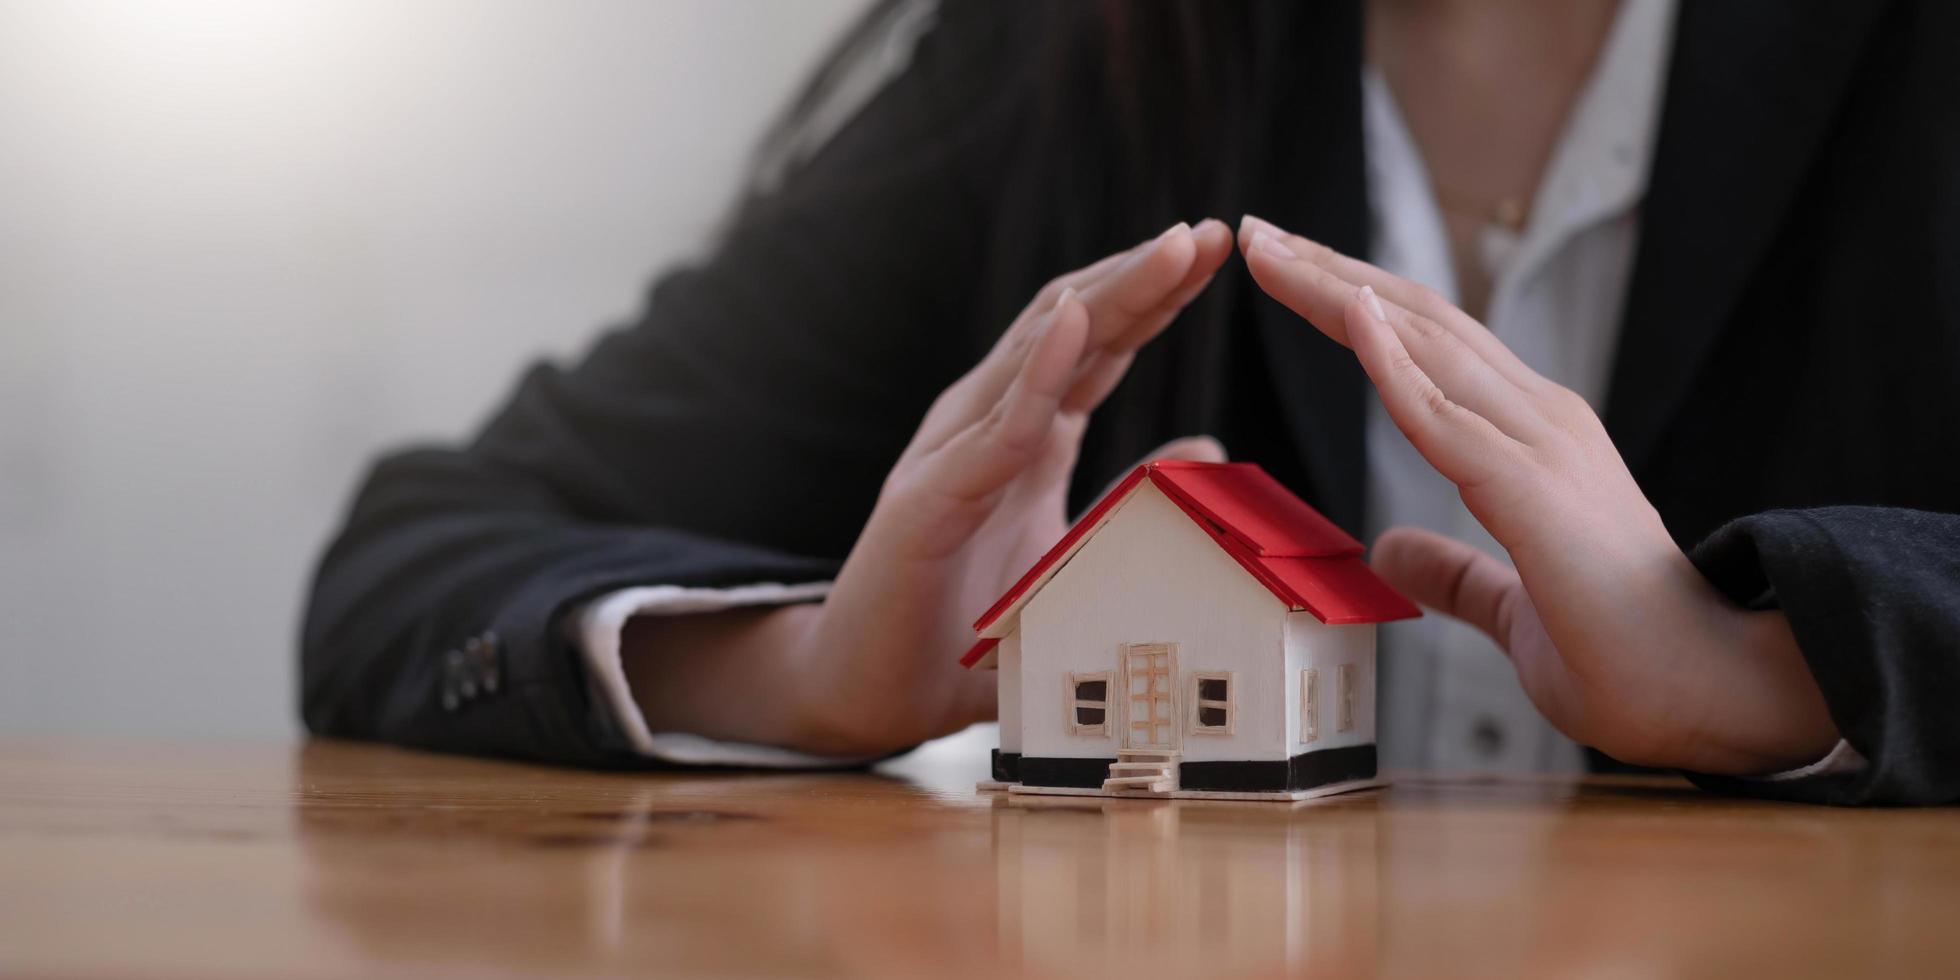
column 1873, row 596
column 738, row 432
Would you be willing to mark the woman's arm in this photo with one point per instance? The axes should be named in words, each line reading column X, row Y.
column 738, row 432
column 761, row 423
column 1616, row 635
column 976, row 497
column 1872, row 595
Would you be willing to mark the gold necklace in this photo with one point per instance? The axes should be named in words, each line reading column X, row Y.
column 1509, row 212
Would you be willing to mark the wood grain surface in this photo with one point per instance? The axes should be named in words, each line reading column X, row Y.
column 328, row 859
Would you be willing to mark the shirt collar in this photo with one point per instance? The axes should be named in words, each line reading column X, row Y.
column 1598, row 168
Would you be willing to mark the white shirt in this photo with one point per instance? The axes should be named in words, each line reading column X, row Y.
column 1451, row 698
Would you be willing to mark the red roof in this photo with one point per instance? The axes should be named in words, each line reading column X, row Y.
column 1297, row 554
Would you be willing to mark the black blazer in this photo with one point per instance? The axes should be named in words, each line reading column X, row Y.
column 1784, row 388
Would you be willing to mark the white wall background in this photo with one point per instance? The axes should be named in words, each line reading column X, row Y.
column 246, row 243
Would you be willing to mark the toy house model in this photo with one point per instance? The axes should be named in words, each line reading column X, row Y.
column 1201, row 632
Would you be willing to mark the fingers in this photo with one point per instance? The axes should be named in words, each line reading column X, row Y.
column 978, row 698
column 1132, row 295
column 1123, row 290
column 935, row 498
column 1099, row 376
column 1196, row 449
column 1129, row 297
column 1419, row 300
column 1458, row 580
column 982, row 458
column 1105, row 369
column 980, row 389
column 1213, row 241
column 1147, row 308
column 1463, row 446
column 1320, row 296
column 1452, row 578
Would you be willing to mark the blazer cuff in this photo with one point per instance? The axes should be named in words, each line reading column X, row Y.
column 596, row 627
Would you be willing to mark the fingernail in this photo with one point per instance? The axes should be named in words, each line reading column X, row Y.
column 1062, row 300
column 1263, row 242
column 1374, row 303
column 1172, row 230
column 1256, row 224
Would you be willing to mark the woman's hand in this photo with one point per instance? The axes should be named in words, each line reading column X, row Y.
column 1616, row 637
column 975, row 499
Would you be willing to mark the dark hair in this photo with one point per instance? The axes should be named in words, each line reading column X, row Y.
column 1134, row 115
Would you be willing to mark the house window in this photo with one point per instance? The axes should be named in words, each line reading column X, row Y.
column 1309, row 704
column 1346, row 722
column 1212, row 704
column 1088, row 704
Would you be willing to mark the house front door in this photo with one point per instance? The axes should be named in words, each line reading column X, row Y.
column 1150, row 715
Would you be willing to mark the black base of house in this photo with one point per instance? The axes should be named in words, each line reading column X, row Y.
column 1007, row 766
column 1079, row 773
column 1308, row 770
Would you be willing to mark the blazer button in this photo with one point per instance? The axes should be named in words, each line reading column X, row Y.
column 486, row 664
column 471, row 670
column 454, row 688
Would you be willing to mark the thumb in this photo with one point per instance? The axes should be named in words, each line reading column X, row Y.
column 1195, row 449
column 1461, row 581
column 1192, row 449
column 1452, row 578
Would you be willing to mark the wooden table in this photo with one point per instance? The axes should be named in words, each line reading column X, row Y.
column 347, row 860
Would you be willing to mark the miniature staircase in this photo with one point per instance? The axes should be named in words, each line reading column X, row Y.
column 1142, row 772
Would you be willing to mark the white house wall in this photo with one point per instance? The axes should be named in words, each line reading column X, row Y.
column 1007, row 658
column 1153, row 576
column 1312, row 643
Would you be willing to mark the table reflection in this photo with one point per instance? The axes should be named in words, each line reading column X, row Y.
column 1186, row 887
column 365, row 861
